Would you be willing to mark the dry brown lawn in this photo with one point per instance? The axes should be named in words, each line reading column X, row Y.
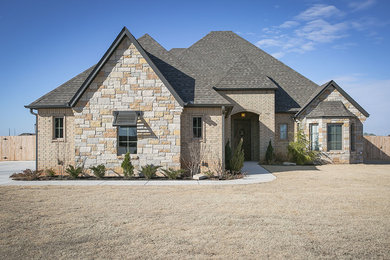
column 334, row 211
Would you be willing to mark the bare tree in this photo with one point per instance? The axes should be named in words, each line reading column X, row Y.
column 196, row 154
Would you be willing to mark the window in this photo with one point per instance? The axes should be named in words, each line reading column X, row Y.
column 283, row 131
column 314, row 141
column 352, row 136
column 127, row 139
column 334, row 137
column 58, row 127
column 197, row 127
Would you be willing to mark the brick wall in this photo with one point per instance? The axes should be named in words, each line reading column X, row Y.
column 211, row 141
column 51, row 151
column 127, row 82
column 261, row 102
column 280, row 146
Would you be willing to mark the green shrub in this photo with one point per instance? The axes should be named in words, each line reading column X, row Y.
column 127, row 166
column 74, row 172
column 228, row 156
column 237, row 160
column 269, row 155
column 171, row 173
column 99, row 171
column 299, row 151
column 50, row 172
column 149, row 171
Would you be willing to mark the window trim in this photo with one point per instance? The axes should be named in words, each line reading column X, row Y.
column 201, row 127
column 310, row 136
column 284, row 139
column 327, row 137
column 59, row 139
column 117, row 139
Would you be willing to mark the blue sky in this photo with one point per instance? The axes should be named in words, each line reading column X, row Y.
column 45, row 43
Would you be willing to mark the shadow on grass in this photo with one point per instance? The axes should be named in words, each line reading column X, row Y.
column 283, row 168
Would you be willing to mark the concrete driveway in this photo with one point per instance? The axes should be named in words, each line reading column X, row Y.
column 255, row 174
column 10, row 167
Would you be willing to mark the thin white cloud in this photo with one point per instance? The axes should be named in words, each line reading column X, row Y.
column 318, row 24
column 319, row 11
column 288, row 24
column 360, row 5
column 278, row 55
column 322, row 31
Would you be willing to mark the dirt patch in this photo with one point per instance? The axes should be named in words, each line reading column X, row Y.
column 334, row 211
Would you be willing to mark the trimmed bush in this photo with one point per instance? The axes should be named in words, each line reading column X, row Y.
column 149, row 171
column 127, row 166
column 99, row 171
column 228, row 156
column 237, row 160
column 171, row 173
column 269, row 155
column 74, row 172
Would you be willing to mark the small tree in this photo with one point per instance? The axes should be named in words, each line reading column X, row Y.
column 299, row 150
column 269, row 155
column 127, row 166
column 99, row 171
column 228, row 156
column 237, row 160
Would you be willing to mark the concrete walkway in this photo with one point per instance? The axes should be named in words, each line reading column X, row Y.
column 255, row 174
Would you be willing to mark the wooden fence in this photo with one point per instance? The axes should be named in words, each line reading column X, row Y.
column 17, row 148
column 376, row 148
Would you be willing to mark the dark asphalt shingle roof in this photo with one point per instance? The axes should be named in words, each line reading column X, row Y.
column 221, row 59
column 330, row 109
column 176, row 51
column 214, row 54
column 60, row 96
column 245, row 74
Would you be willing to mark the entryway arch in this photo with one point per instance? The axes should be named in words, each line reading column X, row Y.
column 245, row 125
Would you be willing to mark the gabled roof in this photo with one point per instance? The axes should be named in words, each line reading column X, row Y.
column 244, row 74
column 70, row 92
column 125, row 32
column 339, row 89
column 220, row 60
column 330, row 109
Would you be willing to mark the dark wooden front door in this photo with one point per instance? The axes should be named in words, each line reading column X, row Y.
column 242, row 129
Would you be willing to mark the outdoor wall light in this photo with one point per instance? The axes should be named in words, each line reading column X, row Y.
column 243, row 115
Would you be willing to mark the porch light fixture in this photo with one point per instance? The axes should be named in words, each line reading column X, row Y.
column 243, row 115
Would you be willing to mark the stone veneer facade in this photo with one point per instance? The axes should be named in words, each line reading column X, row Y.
column 127, row 83
column 345, row 155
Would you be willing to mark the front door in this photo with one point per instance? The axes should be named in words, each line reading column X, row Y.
column 242, row 129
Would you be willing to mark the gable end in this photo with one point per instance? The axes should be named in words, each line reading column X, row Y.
column 125, row 32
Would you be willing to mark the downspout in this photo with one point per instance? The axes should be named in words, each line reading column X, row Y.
column 36, row 137
column 223, row 137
